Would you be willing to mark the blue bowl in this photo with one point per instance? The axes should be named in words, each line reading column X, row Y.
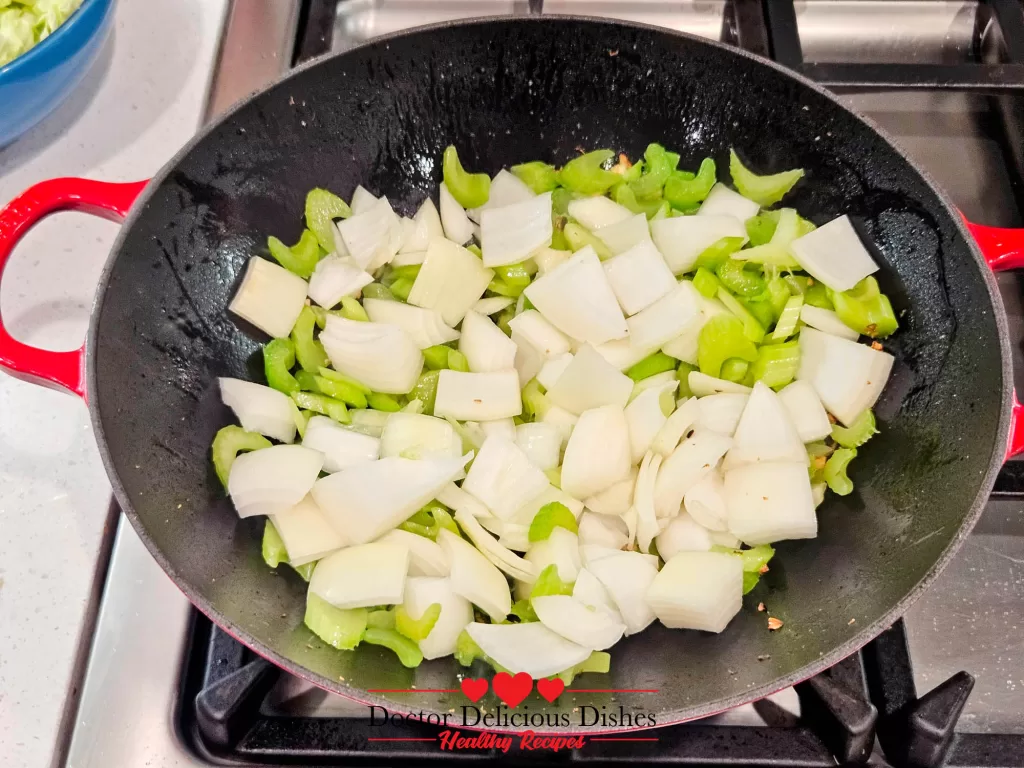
column 36, row 83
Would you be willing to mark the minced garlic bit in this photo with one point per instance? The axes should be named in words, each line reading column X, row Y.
column 763, row 569
column 760, row 606
column 876, row 345
column 774, row 623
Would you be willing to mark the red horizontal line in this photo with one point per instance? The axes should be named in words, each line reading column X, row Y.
column 611, row 690
column 404, row 739
column 412, row 690
column 599, row 738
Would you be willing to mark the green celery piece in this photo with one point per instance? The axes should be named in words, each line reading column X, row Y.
column 549, row 583
column 378, row 401
column 776, row 364
column 406, row 650
column 658, row 167
column 409, row 270
column 417, row 629
column 859, row 432
column 664, row 211
column 326, row 406
column 426, row 391
column 301, row 419
column 340, row 390
column 457, row 361
column 436, row 357
column 442, row 519
column 734, row 276
column 752, row 327
column 307, row 381
column 278, row 359
column 306, row 570
column 598, row 661
column 320, row 314
column 624, row 196
column 866, row 290
column 475, row 250
column 550, row 516
column 471, row 190
column 872, row 316
column 467, row 651
column 300, row 258
column 817, row 295
column 761, row 228
column 778, row 296
column 538, row 176
column 333, row 375
column 706, row 283
column 683, row 376
column 560, row 199
column 535, row 402
column 659, row 362
column 769, row 254
column 503, row 319
column 718, row 253
column 797, row 284
column 760, row 308
column 522, row 610
column 322, row 207
column 558, row 241
column 308, row 351
column 401, row 288
column 578, row 238
column 754, row 560
column 764, row 190
column 786, row 326
column 377, row 291
column 274, row 552
column 381, row 619
column 721, row 338
column 585, row 175
column 685, row 191
column 734, row 369
column 501, row 288
column 351, row 309
column 554, row 476
column 517, row 276
column 418, row 528
column 228, row 443
column 835, row 471
column 341, row 628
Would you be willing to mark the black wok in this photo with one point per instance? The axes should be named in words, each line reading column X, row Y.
column 505, row 91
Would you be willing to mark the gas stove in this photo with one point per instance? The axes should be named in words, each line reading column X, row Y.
column 163, row 687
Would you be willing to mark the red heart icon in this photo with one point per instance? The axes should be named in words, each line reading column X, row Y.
column 550, row 689
column 474, row 689
column 512, row 690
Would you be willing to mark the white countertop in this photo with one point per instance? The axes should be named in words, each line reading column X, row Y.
column 143, row 99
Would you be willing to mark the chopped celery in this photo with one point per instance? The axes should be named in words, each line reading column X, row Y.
column 578, row 238
column 429, row 521
column 426, row 391
column 663, row 212
column 538, row 176
column 761, row 228
column 706, row 283
column 683, row 375
column 320, row 314
column 549, row 583
column 535, row 402
column 457, row 361
column 333, row 375
column 686, row 190
column 401, row 288
column 300, row 258
column 523, row 611
column 835, row 471
column 754, row 560
column 734, row 276
column 501, row 288
column 406, row 650
column 475, row 250
column 552, row 515
column 734, row 369
column 585, row 175
column 658, row 167
column 560, row 199
column 409, row 270
column 858, row 433
column 307, row 381
column 305, row 571
column 301, row 419
column 659, row 362
column 777, row 294
column 760, row 307
column 467, row 651
column 274, row 552
column 786, row 326
column 351, row 309
column 817, row 295
column 377, row 291
column 340, row 390
column 471, row 190
column 769, row 254
column 718, row 252
column 322, row 207
column 752, row 328
column 378, row 401
column 228, row 443
column 417, row 629
column 278, row 359
column 322, row 404
column 865, row 309
column 764, row 190
column 721, row 338
column 381, row 619
column 338, row 627
column 554, row 477
column 558, row 241
column 436, row 357
column 776, row 364
column 624, row 196
column 308, row 351
column 598, row 661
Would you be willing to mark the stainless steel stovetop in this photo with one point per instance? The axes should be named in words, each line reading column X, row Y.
column 972, row 618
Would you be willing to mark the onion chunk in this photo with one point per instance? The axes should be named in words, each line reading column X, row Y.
column 357, row 577
column 698, row 590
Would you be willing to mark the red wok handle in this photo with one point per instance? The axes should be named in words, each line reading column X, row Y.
column 58, row 370
column 1003, row 249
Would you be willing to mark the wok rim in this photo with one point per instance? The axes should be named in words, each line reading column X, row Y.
column 672, row 717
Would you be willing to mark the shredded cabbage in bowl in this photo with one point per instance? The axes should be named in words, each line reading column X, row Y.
column 25, row 23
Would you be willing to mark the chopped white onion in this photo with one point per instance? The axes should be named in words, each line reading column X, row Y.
column 639, row 277
column 685, row 346
column 765, row 432
column 503, row 477
column 720, row 413
column 418, row 436
column 577, row 299
column 553, row 368
column 681, row 239
column 645, row 417
column 515, row 536
column 515, row 232
column 456, row 613
column 848, row 377
column 456, row 224
column 369, row 500
column 506, row 189
column 818, row 493
column 525, row 514
column 615, row 499
column 454, row 497
column 259, row 408
column 542, row 443
column 505, row 428
column 451, row 280
column 362, row 200
column 570, row 618
column 502, row 557
column 643, row 501
column 426, row 225
column 372, row 237
column 668, row 317
column 335, row 277
column 561, row 418
column 698, row 590
column 589, row 381
column 806, row 411
column 705, row 503
column 476, row 578
column 561, row 549
column 306, row 532
column 827, row 321
column 657, row 381
column 703, row 385
column 273, row 480
column 478, row 396
column 834, row 255
column 590, row 591
column 549, row 258
column 529, row 647
column 598, row 453
column 624, row 235
column 532, row 326
column 677, row 425
column 270, row 297
column 598, row 211
column 426, row 558
column 368, row 421
column 341, row 447
column 724, row 539
column 770, row 501
column 722, row 201
column 492, row 305
column 627, row 576
column 381, row 356
column 361, row 576
column 485, row 346
column 682, row 534
column 622, row 353
column 603, row 530
column 425, row 327
column 690, row 463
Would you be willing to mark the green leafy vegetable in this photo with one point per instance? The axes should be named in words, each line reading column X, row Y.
column 471, row 190
column 228, row 443
column 25, row 23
